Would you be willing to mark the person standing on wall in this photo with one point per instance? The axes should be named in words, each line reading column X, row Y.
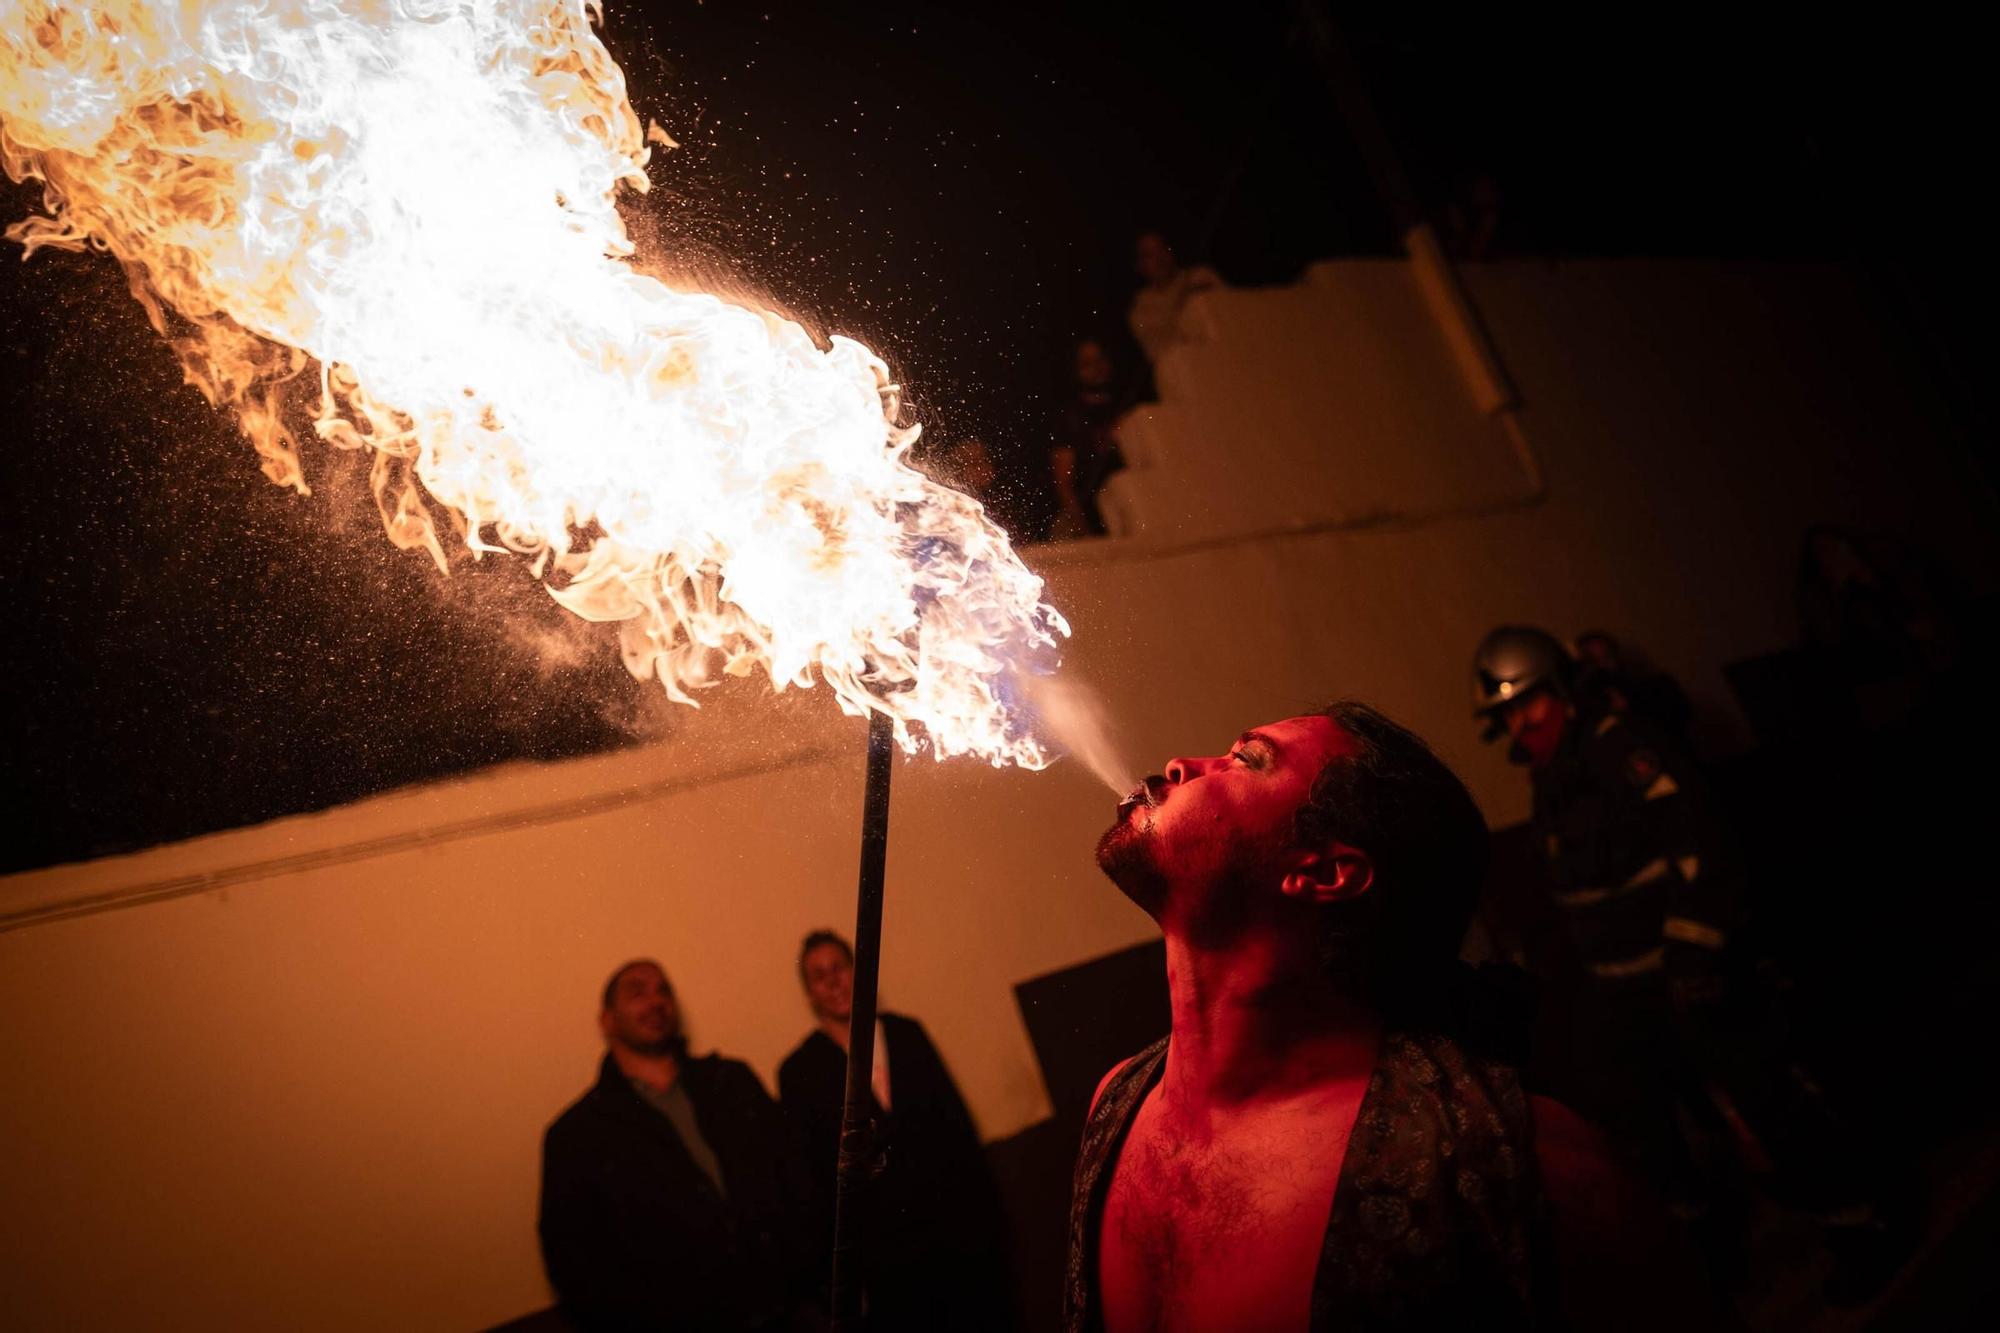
column 1084, row 453
column 1160, row 304
column 932, row 1233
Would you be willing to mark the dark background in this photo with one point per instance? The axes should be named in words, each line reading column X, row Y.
column 188, row 648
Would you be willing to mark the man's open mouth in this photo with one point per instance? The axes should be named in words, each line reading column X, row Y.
column 1138, row 796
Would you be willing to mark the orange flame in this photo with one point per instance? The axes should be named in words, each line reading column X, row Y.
column 415, row 200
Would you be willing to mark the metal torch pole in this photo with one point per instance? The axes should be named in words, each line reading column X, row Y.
column 857, row 1129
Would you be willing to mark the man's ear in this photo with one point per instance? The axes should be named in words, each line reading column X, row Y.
column 604, row 1021
column 1335, row 875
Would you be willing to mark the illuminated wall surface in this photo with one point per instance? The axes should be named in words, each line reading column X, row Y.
column 303, row 1086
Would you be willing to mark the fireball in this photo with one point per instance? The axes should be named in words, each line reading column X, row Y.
column 398, row 220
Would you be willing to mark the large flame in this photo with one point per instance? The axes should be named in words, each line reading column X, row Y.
column 403, row 212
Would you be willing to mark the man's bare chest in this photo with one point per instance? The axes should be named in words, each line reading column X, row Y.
column 1222, row 1229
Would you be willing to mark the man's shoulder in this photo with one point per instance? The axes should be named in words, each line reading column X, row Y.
column 1625, row 751
column 717, row 1066
column 570, row 1116
column 1562, row 1133
column 1588, row 1188
column 719, row 1075
column 905, row 1027
column 579, row 1119
column 807, row 1058
column 1609, row 1234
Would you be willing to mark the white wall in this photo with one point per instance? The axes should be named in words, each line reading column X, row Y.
column 303, row 1085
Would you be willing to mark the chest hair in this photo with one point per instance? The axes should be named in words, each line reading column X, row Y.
column 1181, row 1206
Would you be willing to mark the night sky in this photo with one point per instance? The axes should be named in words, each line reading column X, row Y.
column 188, row 648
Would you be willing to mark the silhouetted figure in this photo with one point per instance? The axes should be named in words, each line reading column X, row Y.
column 1014, row 496
column 668, row 1201
column 1627, row 685
column 1882, row 618
column 1472, row 221
column 931, row 1227
column 1159, row 307
column 1085, row 453
column 1310, row 1147
column 967, row 465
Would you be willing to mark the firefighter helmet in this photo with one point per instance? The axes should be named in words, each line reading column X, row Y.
column 1512, row 661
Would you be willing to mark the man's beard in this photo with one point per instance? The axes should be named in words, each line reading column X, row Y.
column 674, row 1044
column 1219, row 874
column 1129, row 856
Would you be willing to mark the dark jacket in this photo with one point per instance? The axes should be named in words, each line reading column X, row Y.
column 932, row 1222
column 636, row 1236
column 1641, row 869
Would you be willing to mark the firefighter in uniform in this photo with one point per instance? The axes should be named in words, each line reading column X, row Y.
column 1674, row 1047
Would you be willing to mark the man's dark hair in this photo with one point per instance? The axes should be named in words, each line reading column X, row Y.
column 817, row 938
column 1394, row 799
column 611, row 986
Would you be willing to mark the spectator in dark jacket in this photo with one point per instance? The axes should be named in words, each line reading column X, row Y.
column 931, row 1229
column 668, row 1196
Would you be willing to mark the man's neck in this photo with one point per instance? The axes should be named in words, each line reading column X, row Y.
column 656, row 1070
column 1255, row 1022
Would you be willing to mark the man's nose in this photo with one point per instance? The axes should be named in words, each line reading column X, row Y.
column 1186, row 770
